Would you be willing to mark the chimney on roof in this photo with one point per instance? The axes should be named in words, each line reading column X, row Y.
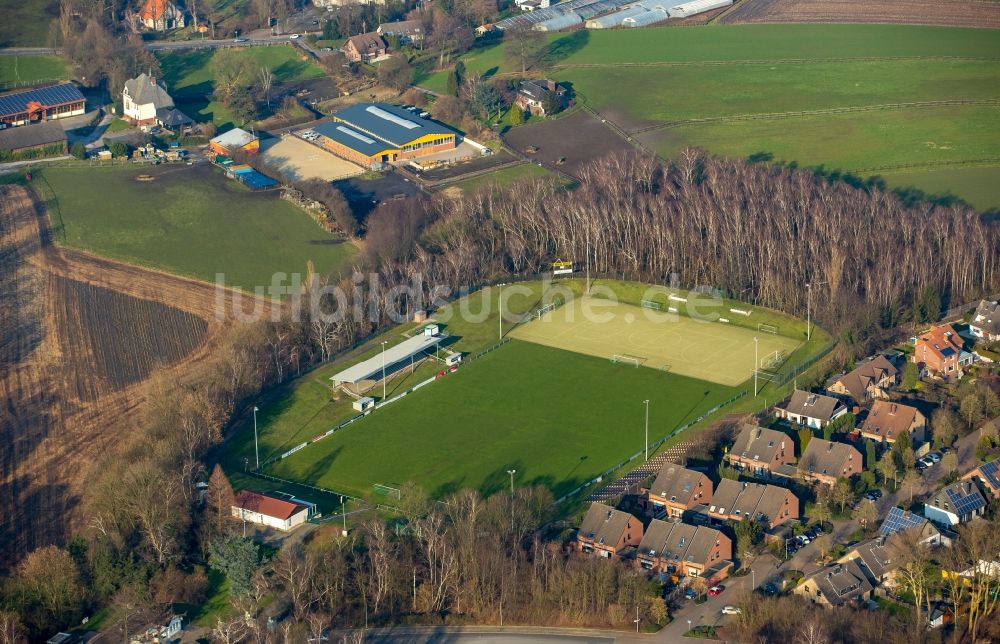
column 550, row 84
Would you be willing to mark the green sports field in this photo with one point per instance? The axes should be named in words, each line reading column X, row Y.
column 657, row 339
column 557, row 414
column 27, row 69
column 804, row 77
column 559, row 418
column 188, row 220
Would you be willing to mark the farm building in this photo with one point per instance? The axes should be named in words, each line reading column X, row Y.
column 235, row 140
column 646, row 18
column 21, row 141
column 614, row 19
column 406, row 30
column 585, row 9
column 697, row 6
column 372, row 134
column 41, row 104
column 145, row 101
column 269, row 511
column 559, row 22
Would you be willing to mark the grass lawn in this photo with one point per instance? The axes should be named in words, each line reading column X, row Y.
column 508, row 410
column 719, row 71
column 189, row 71
column 190, row 79
column 216, row 604
column 980, row 186
column 855, row 142
column 504, row 177
column 26, row 23
column 189, row 220
column 15, row 69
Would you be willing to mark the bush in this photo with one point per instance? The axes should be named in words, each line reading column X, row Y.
column 78, row 150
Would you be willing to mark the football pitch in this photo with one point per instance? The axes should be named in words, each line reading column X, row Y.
column 559, row 418
column 706, row 350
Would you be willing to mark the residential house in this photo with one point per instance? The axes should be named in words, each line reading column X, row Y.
column 161, row 15
column 364, row 48
column 677, row 489
column 539, row 96
column 899, row 520
column 958, row 503
column 888, row 420
column 485, row 28
column 606, row 531
column 837, row 585
column 408, row 31
column 269, row 511
column 812, row 410
column 941, row 613
column 988, row 476
column 761, row 451
column 234, row 141
column 826, row 461
column 678, row 548
column 985, row 323
column 939, row 352
column 769, row 504
column 143, row 98
column 870, row 380
column 877, row 560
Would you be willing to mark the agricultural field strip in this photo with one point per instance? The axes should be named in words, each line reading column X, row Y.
column 829, row 110
column 767, row 61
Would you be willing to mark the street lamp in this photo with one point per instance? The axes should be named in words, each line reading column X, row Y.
column 756, row 342
column 384, row 342
column 512, row 473
column 343, row 511
column 255, row 450
column 809, row 286
column 646, row 443
column 500, row 307
column 637, row 620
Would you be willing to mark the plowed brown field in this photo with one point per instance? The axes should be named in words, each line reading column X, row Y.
column 79, row 337
column 960, row 13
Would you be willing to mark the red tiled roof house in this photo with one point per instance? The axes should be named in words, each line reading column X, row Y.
column 760, row 450
column 269, row 511
column 677, row 489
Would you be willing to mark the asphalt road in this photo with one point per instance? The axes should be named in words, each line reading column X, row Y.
column 445, row 636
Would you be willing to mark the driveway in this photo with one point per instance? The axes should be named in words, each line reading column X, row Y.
column 518, row 636
column 764, row 569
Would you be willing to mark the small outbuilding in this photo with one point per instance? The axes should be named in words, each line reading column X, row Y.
column 269, row 511
column 235, row 140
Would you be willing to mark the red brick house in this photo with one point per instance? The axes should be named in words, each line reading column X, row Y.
column 605, row 532
column 677, row 489
column 887, row 420
column 869, row 380
column 364, row 48
column 769, row 504
column 827, row 461
column 679, row 548
column 939, row 352
column 761, row 451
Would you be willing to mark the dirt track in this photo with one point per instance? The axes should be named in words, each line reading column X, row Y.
column 70, row 391
column 960, row 13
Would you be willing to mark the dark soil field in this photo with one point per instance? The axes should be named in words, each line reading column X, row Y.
column 80, row 336
column 960, row 13
column 567, row 144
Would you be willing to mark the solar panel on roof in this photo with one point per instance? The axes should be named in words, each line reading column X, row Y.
column 392, row 118
column 361, row 137
column 992, row 472
column 61, row 94
column 899, row 520
column 964, row 503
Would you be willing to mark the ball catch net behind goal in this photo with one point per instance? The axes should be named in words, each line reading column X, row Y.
column 386, row 490
column 625, row 358
column 768, row 328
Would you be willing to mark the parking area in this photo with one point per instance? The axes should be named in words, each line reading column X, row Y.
column 298, row 160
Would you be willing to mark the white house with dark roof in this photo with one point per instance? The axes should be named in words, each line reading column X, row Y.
column 985, row 322
column 958, row 503
column 142, row 97
column 812, row 410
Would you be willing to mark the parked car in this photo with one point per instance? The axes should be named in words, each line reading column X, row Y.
column 293, row 37
column 731, row 610
column 716, row 590
column 241, row 40
column 803, row 539
column 769, row 589
column 934, row 456
column 873, row 495
column 924, row 463
column 690, row 593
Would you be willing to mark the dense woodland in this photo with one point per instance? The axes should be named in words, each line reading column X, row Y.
column 755, row 231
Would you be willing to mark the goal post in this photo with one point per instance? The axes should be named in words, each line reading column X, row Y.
column 625, row 358
column 386, row 490
column 650, row 304
column 539, row 312
column 767, row 376
column 767, row 328
column 772, row 360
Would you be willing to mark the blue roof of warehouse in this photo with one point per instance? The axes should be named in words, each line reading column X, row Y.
column 390, row 123
column 345, row 135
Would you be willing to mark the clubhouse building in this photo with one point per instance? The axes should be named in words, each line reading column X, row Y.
column 375, row 134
